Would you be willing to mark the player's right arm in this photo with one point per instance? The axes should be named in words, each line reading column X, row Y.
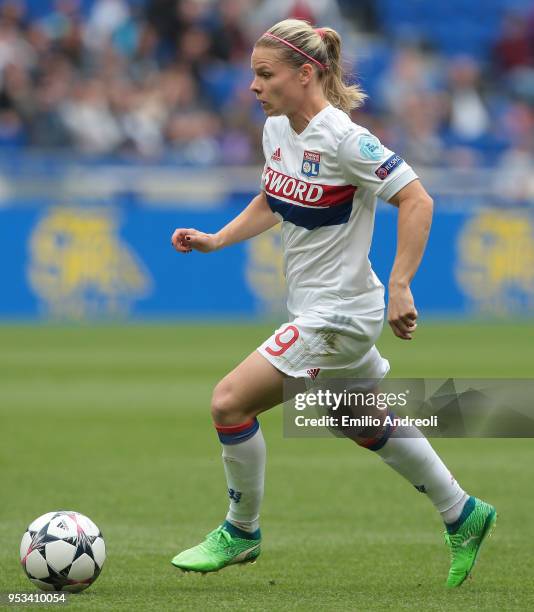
column 255, row 219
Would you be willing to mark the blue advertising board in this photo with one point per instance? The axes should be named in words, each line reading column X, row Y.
column 91, row 262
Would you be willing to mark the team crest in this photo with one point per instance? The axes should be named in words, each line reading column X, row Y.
column 311, row 163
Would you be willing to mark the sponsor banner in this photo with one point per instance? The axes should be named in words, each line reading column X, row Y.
column 294, row 191
column 114, row 261
column 103, row 262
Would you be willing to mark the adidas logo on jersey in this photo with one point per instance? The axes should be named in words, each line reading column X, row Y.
column 277, row 155
column 313, row 372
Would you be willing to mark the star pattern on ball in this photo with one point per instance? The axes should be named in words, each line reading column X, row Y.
column 62, row 562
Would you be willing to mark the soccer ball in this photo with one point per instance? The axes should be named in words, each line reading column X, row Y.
column 62, row 551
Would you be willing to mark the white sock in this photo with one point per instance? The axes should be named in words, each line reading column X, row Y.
column 244, row 465
column 453, row 514
column 410, row 454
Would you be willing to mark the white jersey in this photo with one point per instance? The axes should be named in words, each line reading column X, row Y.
column 323, row 184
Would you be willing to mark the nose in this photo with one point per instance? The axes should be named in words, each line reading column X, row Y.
column 254, row 86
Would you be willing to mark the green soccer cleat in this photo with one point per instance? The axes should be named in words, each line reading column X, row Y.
column 218, row 550
column 466, row 541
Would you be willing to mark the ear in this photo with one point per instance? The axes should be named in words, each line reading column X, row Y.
column 305, row 74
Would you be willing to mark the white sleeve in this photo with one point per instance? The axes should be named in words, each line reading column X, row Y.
column 265, row 155
column 262, row 179
column 365, row 162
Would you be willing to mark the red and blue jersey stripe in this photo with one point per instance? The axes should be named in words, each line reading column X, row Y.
column 308, row 205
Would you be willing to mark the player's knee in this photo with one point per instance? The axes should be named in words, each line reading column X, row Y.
column 225, row 409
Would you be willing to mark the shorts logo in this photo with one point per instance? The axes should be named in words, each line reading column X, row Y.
column 313, row 373
column 389, row 166
column 311, row 163
column 370, row 147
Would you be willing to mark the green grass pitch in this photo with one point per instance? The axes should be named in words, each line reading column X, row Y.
column 113, row 421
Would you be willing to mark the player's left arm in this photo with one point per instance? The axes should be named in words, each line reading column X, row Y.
column 414, row 221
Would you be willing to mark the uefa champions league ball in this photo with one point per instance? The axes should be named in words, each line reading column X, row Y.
column 62, row 551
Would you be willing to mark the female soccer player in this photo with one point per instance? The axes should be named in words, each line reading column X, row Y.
column 321, row 179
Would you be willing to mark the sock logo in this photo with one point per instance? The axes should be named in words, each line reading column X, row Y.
column 234, row 495
column 420, row 488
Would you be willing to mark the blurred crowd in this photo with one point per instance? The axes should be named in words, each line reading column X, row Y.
column 168, row 79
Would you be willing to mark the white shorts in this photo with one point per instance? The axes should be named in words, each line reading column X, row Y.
column 316, row 345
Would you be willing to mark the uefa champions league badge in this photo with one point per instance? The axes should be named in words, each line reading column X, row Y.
column 370, row 147
column 311, row 163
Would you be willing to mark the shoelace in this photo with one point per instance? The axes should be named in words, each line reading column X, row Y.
column 214, row 538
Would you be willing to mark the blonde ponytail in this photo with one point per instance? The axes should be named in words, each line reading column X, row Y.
column 337, row 92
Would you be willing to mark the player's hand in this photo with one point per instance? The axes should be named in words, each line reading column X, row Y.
column 402, row 314
column 187, row 240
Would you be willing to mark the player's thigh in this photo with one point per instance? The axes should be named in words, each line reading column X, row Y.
column 254, row 386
